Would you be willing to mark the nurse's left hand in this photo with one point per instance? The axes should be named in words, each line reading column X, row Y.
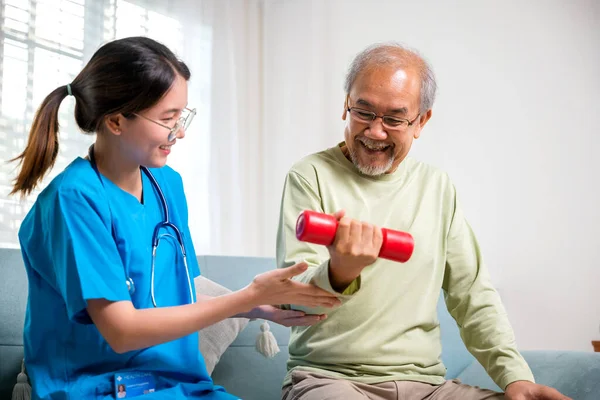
column 285, row 317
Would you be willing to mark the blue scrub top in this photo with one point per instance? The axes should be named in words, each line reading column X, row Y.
column 80, row 241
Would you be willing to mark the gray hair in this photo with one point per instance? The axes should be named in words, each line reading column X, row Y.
column 397, row 55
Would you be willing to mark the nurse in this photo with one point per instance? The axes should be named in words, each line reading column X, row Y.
column 107, row 247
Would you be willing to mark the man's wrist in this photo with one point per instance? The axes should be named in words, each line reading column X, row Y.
column 520, row 381
column 339, row 282
column 518, row 385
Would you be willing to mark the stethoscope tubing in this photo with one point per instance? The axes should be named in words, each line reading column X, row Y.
column 155, row 235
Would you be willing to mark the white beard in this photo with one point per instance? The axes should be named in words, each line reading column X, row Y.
column 370, row 170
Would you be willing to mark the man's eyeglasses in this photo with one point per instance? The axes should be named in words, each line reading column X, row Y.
column 183, row 121
column 390, row 122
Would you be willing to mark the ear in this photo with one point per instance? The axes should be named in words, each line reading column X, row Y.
column 422, row 121
column 345, row 109
column 114, row 123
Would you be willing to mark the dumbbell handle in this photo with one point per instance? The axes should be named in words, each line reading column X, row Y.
column 319, row 228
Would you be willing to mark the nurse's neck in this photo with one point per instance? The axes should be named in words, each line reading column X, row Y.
column 117, row 168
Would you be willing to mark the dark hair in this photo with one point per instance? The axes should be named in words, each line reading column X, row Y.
column 124, row 76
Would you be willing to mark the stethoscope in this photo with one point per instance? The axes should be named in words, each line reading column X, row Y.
column 155, row 236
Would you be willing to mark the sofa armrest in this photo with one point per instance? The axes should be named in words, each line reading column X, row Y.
column 574, row 374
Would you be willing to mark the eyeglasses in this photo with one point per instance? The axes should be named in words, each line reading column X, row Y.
column 390, row 122
column 183, row 121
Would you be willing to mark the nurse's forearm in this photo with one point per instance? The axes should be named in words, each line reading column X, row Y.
column 201, row 298
column 126, row 328
column 256, row 312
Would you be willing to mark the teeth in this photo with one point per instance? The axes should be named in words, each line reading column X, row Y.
column 165, row 147
column 373, row 145
column 376, row 147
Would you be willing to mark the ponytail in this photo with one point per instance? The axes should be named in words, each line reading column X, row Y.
column 42, row 145
column 123, row 76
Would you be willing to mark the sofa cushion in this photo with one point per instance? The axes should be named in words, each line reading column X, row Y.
column 13, row 300
column 248, row 374
column 215, row 339
column 574, row 374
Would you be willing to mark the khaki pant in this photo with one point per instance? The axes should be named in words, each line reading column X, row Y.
column 311, row 386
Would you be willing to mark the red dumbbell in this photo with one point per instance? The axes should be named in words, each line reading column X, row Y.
column 319, row 228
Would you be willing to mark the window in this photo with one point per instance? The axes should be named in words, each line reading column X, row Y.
column 43, row 45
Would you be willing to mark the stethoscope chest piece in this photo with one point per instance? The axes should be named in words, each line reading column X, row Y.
column 130, row 285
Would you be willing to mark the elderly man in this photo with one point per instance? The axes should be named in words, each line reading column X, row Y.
column 383, row 342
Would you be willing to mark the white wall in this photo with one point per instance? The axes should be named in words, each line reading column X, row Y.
column 515, row 124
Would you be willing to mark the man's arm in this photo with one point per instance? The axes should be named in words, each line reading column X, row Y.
column 476, row 306
column 335, row 269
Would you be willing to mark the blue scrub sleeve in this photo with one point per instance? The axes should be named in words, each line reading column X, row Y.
column 86, row 259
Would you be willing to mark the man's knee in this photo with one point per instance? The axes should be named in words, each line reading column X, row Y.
column 455, row 389
column 310, row 386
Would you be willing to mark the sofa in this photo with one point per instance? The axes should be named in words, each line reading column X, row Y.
column 245, row 372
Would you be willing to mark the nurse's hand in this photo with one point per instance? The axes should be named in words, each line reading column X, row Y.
column 126, row 328
column 277, row 287
column 286, row 317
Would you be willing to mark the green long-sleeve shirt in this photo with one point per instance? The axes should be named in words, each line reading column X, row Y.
column 387, row 326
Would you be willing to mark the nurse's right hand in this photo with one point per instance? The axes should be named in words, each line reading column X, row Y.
column 277, row 287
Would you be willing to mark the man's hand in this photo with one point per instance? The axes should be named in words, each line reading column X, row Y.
column 524, row 390
column 356, row 246
column 286, row 317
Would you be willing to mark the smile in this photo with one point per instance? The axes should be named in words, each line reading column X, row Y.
column 374, row 146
